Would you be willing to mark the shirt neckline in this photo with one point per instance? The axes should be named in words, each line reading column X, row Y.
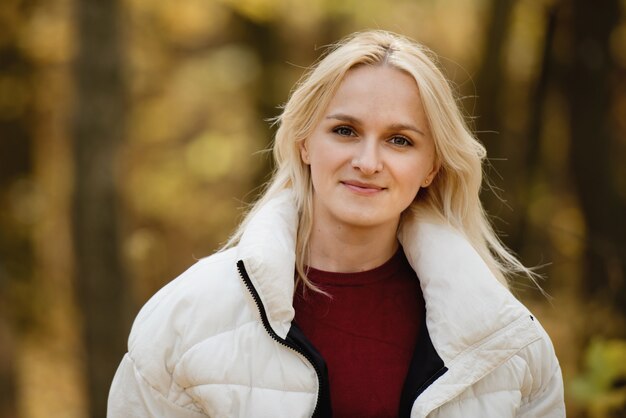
column 382, row 272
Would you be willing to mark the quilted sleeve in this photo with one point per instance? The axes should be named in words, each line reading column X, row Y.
column 546, row 399
column 549, row 403
column 131, row 395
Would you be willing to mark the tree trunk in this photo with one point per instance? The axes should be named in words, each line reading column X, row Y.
column 592, row 156
column 490, row 89
column 98, row 129
column 531, row 160
column 8, row 387
column 16, row 171
column 489, row 83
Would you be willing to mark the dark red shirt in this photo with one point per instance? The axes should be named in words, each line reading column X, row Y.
column 366, row 331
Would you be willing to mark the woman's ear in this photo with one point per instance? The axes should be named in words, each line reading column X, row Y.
column 431, row 176
column 304, row 152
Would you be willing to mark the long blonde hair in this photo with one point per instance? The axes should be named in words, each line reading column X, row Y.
column 453, row 196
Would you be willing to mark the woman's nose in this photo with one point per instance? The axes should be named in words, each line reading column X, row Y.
column 367, row 158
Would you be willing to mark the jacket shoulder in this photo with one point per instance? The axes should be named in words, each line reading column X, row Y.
column 527, row 385
column 198, row 304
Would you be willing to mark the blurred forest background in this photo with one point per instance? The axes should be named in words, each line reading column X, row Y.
column 130, row 139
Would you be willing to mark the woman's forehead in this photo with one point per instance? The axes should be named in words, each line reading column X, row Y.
column 386, row 92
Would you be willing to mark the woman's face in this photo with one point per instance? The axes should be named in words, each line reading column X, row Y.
column 371, row 151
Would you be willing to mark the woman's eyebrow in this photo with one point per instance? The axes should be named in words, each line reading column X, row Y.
column 345, row 118
column 405, row 127
column 394, row 126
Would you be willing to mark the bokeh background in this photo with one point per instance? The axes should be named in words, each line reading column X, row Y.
column 132, row 135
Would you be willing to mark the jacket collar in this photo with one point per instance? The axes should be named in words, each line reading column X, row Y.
column 267, row 249
column 465, row 304
column 468, row 312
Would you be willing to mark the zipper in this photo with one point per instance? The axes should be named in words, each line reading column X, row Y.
column 266, row 324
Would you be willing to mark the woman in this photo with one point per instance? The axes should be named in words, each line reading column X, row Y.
column 365, row 282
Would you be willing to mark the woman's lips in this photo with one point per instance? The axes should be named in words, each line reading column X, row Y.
column 362, row 188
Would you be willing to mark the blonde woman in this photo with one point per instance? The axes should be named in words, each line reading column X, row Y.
column 365, row 282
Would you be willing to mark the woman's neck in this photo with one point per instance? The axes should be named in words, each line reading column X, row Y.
column 338, row 249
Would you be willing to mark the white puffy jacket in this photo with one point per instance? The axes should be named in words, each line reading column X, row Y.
column 218, row 341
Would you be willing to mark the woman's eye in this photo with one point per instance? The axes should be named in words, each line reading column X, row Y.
column 400, row 140
column 343, row 131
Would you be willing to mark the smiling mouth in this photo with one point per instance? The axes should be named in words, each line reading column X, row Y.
column 363, row 188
